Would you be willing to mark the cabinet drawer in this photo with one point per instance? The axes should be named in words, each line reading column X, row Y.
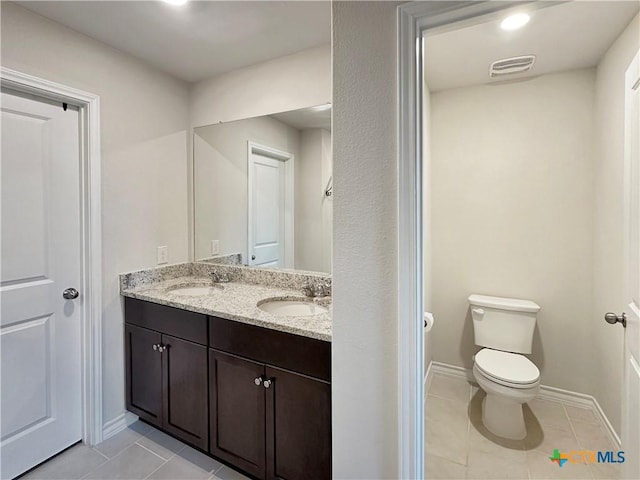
column 292, row 352
column 172, row 321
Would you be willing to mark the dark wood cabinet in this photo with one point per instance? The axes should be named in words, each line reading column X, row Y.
column 270, row 415
column 237, row 406
column 298, row 426
column 143, row 374
column 184, row 390
column 256, row 398
column 167, row 376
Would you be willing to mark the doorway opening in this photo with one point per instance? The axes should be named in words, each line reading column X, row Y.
column 492, row 219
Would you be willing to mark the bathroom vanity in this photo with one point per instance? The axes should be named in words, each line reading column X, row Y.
column 215, row 370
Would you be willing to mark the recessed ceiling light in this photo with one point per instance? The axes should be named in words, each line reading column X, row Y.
column 175, row 2
column 515, row 21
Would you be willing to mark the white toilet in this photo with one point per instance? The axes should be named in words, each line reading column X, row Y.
column 505, row 327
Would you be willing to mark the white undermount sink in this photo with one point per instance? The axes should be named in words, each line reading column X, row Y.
column 193, row 290
column 291, row 308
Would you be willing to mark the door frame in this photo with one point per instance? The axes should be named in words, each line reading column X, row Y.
column 91, row 236
column 413, row 19
column 631, row 191
column 289, row 217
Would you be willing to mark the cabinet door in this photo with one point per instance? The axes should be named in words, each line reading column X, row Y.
column 185, row 390
column 298, row 426
column 143, row 367
column 237, row 412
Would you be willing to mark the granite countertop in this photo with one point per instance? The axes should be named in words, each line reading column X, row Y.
column 236, row 301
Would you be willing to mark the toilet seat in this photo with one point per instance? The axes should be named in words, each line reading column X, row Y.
column 506, row 368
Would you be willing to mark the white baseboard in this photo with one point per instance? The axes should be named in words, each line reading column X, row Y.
column 427, row 379
column 122, row 421
column 451, row 370
column 551, row 394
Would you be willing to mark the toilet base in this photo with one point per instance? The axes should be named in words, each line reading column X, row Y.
column 503, row 417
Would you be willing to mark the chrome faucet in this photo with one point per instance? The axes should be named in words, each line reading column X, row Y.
column 220, row 277
column 318, row 290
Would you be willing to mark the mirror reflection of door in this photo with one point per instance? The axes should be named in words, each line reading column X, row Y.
column 270, row 188
column 221, row 187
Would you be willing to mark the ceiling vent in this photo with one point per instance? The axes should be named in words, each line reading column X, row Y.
column 509, row 66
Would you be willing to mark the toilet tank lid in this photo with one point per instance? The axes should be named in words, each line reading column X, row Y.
column 501, row 303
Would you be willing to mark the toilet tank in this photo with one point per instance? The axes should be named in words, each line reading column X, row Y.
column 505, row 324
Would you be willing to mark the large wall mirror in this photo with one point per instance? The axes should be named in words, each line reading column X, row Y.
column 262, row 189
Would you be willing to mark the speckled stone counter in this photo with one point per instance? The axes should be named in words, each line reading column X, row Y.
column 236, row 300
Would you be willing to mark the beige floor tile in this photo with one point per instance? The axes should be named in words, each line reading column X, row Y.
column 179, row 468
column 161, row 444
column 72, row 464
column 446, row 441
column 586, row 415
column 121, row 440
column 133, row 463
column 226, row 473
column 484, row 442
column 199, row 459
column 541, row 467
column 549, row 413
column 606, row 471
column 552, row 438
column 591, row 437
column 506, row 464
column 438, row 468
column 141, row 427
column 450, row 387
column 447, row 410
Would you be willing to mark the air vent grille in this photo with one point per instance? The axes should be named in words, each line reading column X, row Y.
column 509, row 66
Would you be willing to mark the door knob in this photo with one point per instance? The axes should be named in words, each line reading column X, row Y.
column 612, row 318
column 70, row 293
column 253, row 257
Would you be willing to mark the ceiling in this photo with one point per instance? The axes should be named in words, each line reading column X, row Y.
column 200, row 39
column 314, row 117
column 567, row 36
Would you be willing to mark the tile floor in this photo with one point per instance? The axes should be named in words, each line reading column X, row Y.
column 139, row 452
column 459, row 447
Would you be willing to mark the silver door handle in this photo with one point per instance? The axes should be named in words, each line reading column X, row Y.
column 612, row 318
column 253, row 257
column 70, row 293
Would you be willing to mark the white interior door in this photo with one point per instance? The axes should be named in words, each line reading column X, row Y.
column 270, row 210
column 40, row 410
column 631, row 395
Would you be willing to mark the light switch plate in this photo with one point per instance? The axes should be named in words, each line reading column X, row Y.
column 215, row 247
column 163, row 255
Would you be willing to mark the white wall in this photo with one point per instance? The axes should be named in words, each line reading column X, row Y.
column 221, row 179
column 295, row 81
column 512, row 209
column 607, row 189
column 144, row 117
column 365, row 310
column 313, row 168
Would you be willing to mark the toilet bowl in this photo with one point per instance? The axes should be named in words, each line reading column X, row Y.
column 504, row 326
column 509, row 380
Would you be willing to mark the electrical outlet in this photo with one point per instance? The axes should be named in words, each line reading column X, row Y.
column 163, row 255
column 215, row 247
